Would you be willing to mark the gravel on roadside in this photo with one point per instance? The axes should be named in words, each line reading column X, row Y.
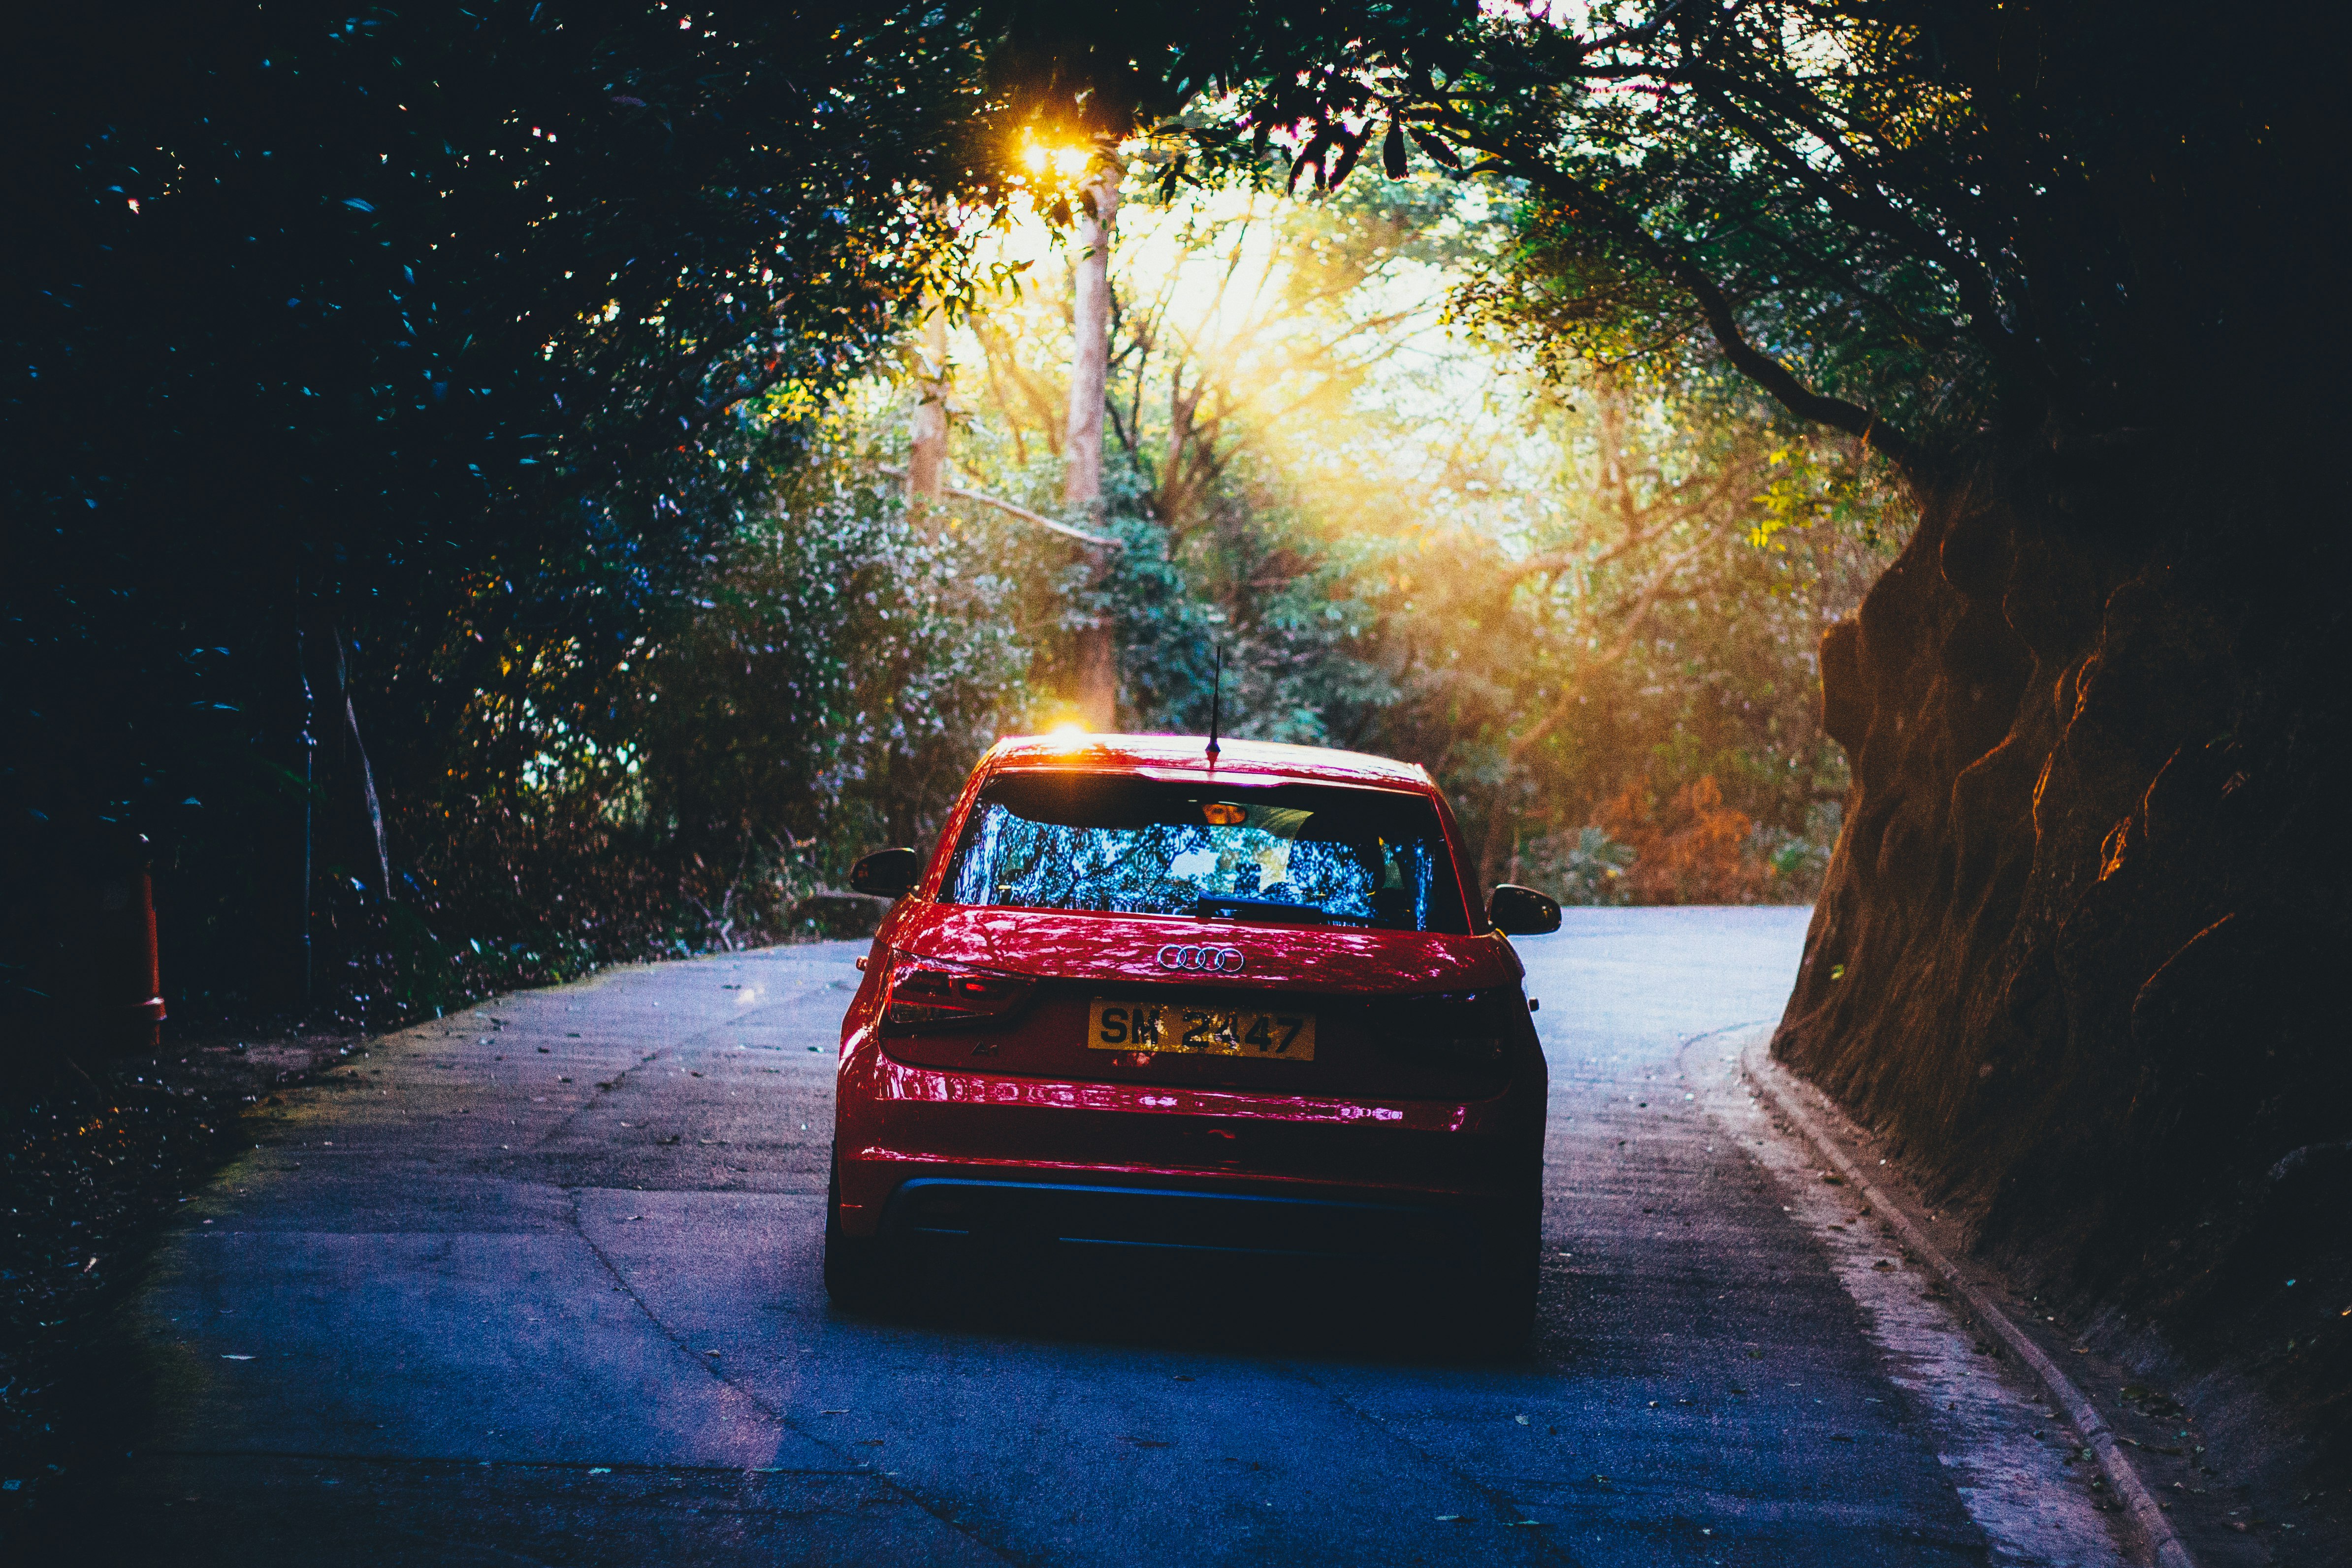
column 94, row 1161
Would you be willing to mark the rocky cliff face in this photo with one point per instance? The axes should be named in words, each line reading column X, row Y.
column 2079, row 948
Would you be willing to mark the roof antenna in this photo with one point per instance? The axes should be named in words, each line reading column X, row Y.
column 1216, row 702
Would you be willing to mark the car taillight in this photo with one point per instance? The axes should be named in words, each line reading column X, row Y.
column 935, row 993
column 1463, row 1028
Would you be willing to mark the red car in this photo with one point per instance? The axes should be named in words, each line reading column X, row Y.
column 1149, row 991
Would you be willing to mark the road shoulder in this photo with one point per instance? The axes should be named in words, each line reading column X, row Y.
column 2019, row 1466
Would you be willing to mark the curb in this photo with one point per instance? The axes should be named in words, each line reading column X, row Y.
column 2164, row 1545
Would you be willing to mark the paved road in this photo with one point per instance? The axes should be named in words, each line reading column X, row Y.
column 539, row 1284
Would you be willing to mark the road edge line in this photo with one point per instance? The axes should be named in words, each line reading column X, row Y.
column 2163, row 1542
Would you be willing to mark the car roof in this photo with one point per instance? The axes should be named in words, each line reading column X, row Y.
column 1177, row 756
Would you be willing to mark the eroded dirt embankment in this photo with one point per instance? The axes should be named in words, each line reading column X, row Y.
column 2078, row 950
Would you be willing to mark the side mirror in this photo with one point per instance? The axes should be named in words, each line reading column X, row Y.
column 1516, row 911
column 892, row 873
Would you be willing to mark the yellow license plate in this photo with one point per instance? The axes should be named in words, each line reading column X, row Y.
column 1200, row 1031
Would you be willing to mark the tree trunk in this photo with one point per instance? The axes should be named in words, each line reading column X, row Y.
column 926, row 458
column 1098, row 652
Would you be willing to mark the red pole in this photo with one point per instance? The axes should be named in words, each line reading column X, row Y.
column 128, row 1000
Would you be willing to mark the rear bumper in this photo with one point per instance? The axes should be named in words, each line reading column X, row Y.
column 1176, row 1218
column 921, row 1150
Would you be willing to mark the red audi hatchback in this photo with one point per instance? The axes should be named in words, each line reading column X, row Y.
column 1146, row 992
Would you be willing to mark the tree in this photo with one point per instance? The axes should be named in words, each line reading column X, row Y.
column 2066, row 269
column 1407, row 542
column 1082, row 486
column 385, row 379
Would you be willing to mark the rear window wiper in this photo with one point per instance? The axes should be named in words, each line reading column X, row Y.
column 1214, row 906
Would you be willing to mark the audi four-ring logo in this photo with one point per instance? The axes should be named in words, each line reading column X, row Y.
column 1205, row 960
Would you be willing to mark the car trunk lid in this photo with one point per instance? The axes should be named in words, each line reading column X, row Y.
column 1395, row 1013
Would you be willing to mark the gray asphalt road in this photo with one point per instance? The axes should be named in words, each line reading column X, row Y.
column 539, row 1284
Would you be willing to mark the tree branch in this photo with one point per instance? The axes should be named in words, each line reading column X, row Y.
column 1636, row 614
column 1867, row 204
column 1715, row 307
column 1026, row 515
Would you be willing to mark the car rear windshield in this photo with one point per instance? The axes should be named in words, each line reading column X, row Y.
column 1293, row 854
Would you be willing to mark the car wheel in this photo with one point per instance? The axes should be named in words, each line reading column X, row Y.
column 1498, row 1310
column 860, row 1271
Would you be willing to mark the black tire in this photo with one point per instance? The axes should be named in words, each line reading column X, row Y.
column 1498, row 1307
column 860, row 1272
column 1498, row 1319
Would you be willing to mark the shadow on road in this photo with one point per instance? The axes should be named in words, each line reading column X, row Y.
column 1190, row 1301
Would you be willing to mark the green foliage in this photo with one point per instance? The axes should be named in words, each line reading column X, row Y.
column 1962, row 228
column 1585, row 866
column 851, row 669
column 1414, row 538
column 843, row 672
column 393, row 378
column 424, row 453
